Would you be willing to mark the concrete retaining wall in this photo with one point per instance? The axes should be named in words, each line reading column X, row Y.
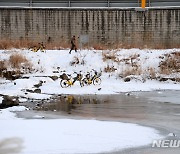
column 108, row 26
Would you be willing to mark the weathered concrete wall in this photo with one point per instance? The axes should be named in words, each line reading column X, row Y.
column 154, row 26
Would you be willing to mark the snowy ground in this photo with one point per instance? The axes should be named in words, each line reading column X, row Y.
column 55, row 62
column 68, row 136
column 77, row 136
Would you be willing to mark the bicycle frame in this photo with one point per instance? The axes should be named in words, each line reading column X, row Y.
column 70, row 81
column 90, row 78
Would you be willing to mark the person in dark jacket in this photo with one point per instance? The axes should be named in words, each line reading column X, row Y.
column 73, row 44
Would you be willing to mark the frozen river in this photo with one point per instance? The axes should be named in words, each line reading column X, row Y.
column 158, row 109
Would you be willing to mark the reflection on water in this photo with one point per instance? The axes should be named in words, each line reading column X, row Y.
column 137, row 105
column 69, row 103
column 97, row 105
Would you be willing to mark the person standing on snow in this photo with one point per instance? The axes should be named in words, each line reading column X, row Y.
column 73, row 44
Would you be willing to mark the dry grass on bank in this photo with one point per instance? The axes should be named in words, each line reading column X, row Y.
column 2, row 66
column 60, row 44
column 16, row 63
column 16, row 60
column 19, row 44
column 152, row 73
column 131, row 71
column 170, row 63
column 9, row 44
column 109, row 69
column 109, row 56
column 142, row 45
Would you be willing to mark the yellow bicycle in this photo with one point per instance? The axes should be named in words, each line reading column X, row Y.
column 40, row 47
column 95, row 79
column 68, row 81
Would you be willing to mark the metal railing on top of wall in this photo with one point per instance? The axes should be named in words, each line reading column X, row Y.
column 88, row 3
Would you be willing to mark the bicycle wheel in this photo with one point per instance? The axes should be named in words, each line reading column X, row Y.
column 97, row 81
column 81, row 83
column 64, row 83
column 35, row 49
column 42, row 49
column 86, row 81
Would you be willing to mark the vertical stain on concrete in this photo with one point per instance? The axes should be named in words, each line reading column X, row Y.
column 104, row 25
column 27, row 22
column 93, row 20
column 69, row 24
column 82, row 20
column 168, row 17
column 87, row 22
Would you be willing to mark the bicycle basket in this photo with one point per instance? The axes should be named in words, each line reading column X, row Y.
column 64, row 76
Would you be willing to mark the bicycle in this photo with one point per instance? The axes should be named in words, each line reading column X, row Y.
column 95, row 79
column 67, row 80
column 41, row 48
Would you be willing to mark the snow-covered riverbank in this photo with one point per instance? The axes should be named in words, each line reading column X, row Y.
column 26, row 136
column 123, row 70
